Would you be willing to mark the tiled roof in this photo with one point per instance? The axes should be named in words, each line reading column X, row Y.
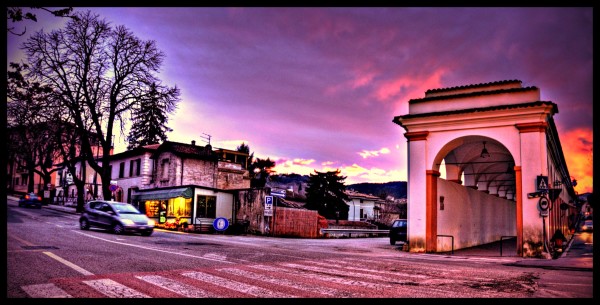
column 471, row 94
column 355, row 194
column 138, row 151
column 471, row 110
column 187, row 150
column 473, row 86
column 291, row 204
column 152, row 146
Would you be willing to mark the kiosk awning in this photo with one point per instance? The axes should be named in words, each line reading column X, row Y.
column 185, row 192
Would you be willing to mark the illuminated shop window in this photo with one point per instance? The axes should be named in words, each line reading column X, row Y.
column 179, row 207
column 175, row 207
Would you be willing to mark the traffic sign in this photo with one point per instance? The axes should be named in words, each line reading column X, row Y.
column 268, row 206
column 543, row 203
column 113, row 187
column 221, row 224
column 541, row 183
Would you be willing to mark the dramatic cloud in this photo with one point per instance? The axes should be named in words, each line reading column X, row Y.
column 317, row 88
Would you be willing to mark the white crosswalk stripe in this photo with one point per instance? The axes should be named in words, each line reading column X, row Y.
column 46, row 291
column 319, row 277
column 113, row 289
column 350, row 267
column 341, row 272
column 282, row 281
column 237, row 286
column 338, row 278
column 179, row 288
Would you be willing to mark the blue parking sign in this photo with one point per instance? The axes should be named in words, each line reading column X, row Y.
column 268, row 206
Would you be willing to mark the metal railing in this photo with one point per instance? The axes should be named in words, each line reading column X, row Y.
column 356, row 231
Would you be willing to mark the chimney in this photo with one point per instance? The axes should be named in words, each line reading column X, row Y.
column 193, row 143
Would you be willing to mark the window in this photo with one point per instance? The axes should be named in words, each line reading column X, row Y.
column 179, row 207
column 138, row 167
column 165, row 168
column 131, row 162
column 152, row 207
column 206, row 206
column 122, row 170
column 23, row 179
column 134, row 167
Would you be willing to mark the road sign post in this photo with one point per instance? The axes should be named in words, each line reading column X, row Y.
column 268, row 206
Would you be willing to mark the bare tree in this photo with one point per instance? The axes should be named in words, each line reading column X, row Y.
column 19, row 14
column 31, row 142
column 100, row 73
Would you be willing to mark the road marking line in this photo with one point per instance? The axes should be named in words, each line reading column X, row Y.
column 174, row 286
column 22, row 240
column 45, row 291
column 316, row 276
column 113, row 289
column 346, row 273
column 237, row 286
column 333, row 263
column 69, row 264
column 281, row 281
column 152, row 249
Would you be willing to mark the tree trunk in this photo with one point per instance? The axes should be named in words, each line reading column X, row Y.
column 80, row 196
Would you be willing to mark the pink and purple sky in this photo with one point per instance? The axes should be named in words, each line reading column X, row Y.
column 317, row 88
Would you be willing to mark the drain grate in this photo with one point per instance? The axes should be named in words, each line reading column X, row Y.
column 39, row 247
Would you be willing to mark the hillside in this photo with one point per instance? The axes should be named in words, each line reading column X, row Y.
column 298, row 183
column 396, row 189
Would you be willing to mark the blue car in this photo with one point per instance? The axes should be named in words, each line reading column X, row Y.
column 30, row 200
column 398, row 231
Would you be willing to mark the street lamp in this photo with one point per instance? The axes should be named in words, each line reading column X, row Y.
column 484, row 151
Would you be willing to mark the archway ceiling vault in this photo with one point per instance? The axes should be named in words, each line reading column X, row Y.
column 497, row 170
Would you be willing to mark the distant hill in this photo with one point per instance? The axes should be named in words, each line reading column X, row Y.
column 396, row 189
column 298, row 183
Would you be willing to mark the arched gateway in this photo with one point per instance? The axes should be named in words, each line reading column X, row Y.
column 505, row 173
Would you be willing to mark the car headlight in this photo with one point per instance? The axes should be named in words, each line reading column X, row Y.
column 151, row 222
column 128, row 222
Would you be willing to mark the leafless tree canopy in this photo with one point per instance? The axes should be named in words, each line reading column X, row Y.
column 19, row 14
column 100, row 73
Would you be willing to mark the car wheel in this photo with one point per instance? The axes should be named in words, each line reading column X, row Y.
column 84, row 224
column 146, row 233
column 392, row 242
column 117, row 229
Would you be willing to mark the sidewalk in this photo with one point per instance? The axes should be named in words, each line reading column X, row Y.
column 577, row 256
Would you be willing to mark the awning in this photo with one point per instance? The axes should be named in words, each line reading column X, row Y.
column 185, row 192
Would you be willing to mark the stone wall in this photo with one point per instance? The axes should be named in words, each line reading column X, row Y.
column 288, row 222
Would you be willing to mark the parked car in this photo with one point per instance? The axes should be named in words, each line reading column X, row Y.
column 118, row 217
column 30, row 199
column 398, row 231
column 588, row 226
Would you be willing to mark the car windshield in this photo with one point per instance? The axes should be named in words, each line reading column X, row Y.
column 125, row 209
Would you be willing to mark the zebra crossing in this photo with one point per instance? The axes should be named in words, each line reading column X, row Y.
column 333, row 278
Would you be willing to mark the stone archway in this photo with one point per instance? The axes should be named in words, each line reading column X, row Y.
column 472, row 186
column 451, row 125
